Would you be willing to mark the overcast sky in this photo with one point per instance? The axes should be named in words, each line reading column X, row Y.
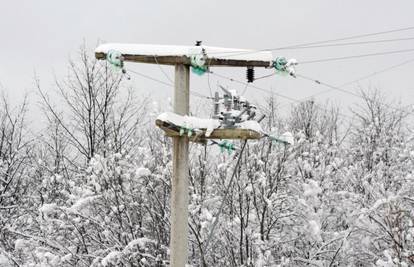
column 41, row 35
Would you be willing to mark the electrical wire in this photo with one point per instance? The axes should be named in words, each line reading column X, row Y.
column 308, row 44
column 162, row 70
column 168, row 77
column 266, row 76
column 357, row 56
column 255, row 87
column 275, row 93
column 346, row 91
column 172, row 82
column 378, row 72
column 363, row 77
column 209, row 86
column 312, row 45
column 245, row 89
column 149, row 77
column 165, row 83
column 343, row 38
column 346, row 44
column 217, row 217
column 327, row 85
column 331, row 87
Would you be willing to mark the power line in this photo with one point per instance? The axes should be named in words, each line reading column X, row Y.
column 165, row 83
column 378, row 72
column 253, row 86
column 357, row 56
column 331, row 87
column 162, row 70
column 274, row 93
column 316, row 61
column 345, row 91
column 266, row 76
column 364, row 77
column 171, row 81
column 209, row 86
column 226, row 192
column 328, row 85
column 343, row 38
column 235, row 53
column 313, row 80
column 347, row 44
column 150, row 78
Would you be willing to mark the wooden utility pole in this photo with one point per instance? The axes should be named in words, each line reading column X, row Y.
column 179, row 56
column 179, row 181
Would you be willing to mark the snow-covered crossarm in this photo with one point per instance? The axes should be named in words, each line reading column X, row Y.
column 172, row 55
column 202, row 129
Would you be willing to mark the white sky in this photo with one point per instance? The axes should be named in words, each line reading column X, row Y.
column 41, row 35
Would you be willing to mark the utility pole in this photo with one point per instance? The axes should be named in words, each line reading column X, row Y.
column 180, row 58
column 179, row 181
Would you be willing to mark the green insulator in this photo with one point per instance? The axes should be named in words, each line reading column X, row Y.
column 277, row 140
column 280, row 63
column 182, row 130
column 229, row 147
column 222, row 146
column 198, row 64
column 190, row 132
column 115, row 59
column 229, row 150
column 198, row 70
